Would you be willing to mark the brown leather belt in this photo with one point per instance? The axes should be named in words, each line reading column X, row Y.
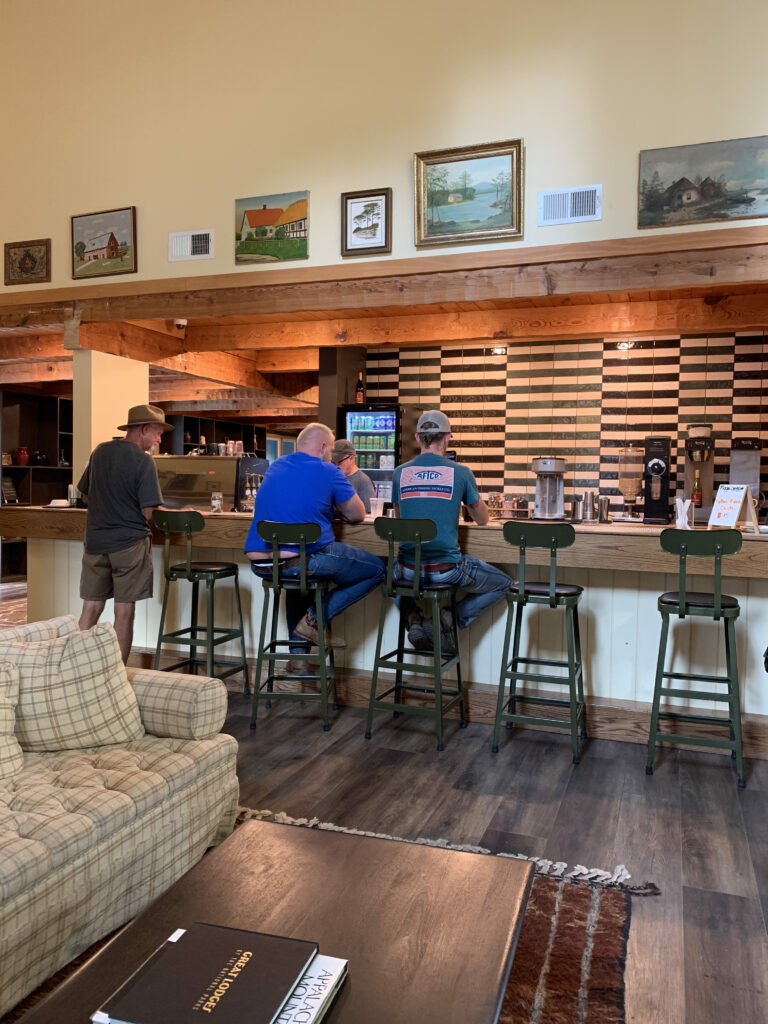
column 432, row 566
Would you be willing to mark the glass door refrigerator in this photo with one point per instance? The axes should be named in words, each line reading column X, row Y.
column 374, row 430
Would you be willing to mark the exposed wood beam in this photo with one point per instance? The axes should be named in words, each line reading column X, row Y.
column 733, row 312
column 32, row 346
column 652, row 261
column 237, row 408
column 224, row 367
column 28, row 371
column 129, row 341
column 228, row 397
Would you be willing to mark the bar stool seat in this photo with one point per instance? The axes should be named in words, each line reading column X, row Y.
column 440, row 699
column 517, row 669
column 716, row 606
column 210, row 636
column 277, row 653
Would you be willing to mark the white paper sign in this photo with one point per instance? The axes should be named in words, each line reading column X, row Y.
column 732, row 505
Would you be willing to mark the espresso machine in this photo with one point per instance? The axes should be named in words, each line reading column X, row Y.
column 656, row 463
column 700, row 457
column 549, row 501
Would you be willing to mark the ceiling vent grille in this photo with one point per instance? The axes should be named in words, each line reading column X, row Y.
column 570, row 205
column 190, row 245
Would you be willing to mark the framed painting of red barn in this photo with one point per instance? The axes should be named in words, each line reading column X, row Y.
column 104, row 243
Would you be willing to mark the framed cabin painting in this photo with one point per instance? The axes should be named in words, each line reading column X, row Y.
column 366, row 222
column 104, row 243
column 708, row 181
column 28, row 262
column 470, row 194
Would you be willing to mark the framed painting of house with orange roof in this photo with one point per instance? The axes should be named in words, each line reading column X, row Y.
column 270, row 228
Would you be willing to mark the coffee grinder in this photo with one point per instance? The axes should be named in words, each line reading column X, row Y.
column 549, row 501
column 656, row 480
column 700, row 456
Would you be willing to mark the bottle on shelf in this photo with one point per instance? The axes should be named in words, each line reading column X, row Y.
column 696, row 491
column 360, row 389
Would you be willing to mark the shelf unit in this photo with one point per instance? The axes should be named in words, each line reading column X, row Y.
column 215, row 431
column 42, row 424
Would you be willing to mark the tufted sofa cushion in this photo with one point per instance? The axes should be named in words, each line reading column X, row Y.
column 61, row 805
column 11, row 756
column 73, row 692
column 183, row 706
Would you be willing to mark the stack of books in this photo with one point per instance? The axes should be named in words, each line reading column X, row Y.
column 228, row 976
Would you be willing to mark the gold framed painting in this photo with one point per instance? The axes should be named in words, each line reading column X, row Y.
column 469, row 194
column 28, row 262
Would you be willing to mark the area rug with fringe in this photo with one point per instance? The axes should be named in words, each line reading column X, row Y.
column 570, row 959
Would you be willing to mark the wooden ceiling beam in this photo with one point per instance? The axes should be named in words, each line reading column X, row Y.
column 28, row 371
column 129, row 341
column 224, row 367
column 238, row 407
column 32, row 346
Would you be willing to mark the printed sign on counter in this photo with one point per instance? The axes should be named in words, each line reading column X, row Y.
column 733, row 507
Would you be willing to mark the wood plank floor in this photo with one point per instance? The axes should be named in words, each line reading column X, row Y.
column 697, row 954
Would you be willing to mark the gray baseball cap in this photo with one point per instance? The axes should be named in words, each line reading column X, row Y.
column 433, row 422
column 341, row 450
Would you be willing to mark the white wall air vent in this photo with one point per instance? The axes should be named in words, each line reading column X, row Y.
column 570, row 205
column 190, row 245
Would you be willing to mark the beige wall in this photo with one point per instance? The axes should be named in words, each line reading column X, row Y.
column 180, row 106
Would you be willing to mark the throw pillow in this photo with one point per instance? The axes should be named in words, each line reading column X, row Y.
column 73, row 692
column 47, row 629
column 11, row 756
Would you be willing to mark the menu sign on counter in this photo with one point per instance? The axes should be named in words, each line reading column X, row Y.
column 733, row 507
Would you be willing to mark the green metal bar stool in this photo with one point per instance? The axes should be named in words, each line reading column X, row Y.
column 515, row 669
column 716, row 606
column 274, row 651
column 416, row 532
column 208, row 636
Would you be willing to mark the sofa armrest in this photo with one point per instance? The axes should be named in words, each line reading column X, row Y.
column 179, row 706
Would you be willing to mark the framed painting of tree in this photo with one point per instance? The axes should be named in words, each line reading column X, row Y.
column 470, row 194
column 366, row 222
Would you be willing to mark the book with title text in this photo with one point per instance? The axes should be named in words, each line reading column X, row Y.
column 212, row 972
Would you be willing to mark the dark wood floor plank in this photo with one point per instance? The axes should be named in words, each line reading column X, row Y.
column 754, row 809
column 715, row 849
column 726, row 958
column 541, row 771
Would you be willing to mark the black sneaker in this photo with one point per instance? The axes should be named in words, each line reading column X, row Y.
column 419, row 636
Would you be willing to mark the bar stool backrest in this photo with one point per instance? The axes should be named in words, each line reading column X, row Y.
column 187, row 522
column 279, row 535
column 408, row 531
column 539, row 535
column 700, row 544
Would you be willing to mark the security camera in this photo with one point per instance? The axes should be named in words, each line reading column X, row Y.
column 180, row 324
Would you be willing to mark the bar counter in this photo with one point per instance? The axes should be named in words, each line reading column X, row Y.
column 621, row 567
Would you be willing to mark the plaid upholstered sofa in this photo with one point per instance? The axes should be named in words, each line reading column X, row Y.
column 113, row 783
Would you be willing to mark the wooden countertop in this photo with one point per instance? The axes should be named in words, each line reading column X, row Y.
column 616, row 546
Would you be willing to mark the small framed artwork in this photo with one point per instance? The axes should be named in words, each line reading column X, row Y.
column 366, row 222
column 469, row 194
column 28, row 262
column 272, row 228
column 104, row 243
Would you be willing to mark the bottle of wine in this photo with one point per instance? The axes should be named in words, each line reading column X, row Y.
column 360, row 389
column 696, row 492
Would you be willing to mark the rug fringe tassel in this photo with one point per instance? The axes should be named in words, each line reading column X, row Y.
column 616, row 879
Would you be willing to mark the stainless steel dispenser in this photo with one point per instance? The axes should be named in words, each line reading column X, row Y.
column 549, row 500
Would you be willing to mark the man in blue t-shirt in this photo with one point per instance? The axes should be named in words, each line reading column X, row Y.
column 305, row 487
column 434, row 487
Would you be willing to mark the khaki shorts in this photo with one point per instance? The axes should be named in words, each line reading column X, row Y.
column 125, row 575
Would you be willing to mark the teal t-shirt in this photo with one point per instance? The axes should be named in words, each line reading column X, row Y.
column 433, row 487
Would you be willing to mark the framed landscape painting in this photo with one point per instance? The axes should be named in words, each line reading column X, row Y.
column 104, row 243
column 28, row 262
column 473, row 194
column 366, row 222
column 708, row 181
column 272, row 228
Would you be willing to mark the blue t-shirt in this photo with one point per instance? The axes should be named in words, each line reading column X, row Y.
column 299, row 488
column 433, row 487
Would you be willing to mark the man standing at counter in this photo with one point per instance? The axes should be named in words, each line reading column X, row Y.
column 121, row 490
column 343, row 456
column 305, row 487
column 434, row 487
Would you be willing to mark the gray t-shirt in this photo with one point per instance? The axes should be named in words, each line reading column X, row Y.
column 119, row 481
column 364, row 487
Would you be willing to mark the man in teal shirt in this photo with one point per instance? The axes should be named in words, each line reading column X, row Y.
column 434, row 487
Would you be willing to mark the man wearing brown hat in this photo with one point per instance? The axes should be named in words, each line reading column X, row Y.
column 121, row 489
column 343, row 456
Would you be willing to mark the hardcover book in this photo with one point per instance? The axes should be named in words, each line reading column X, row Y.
column 309, row 1001
column 211, row 973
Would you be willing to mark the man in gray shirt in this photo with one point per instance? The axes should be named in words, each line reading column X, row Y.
column 121, row 490
column 343, row 456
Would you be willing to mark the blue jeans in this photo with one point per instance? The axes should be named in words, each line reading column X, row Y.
column 483, row 584
column 354, row 571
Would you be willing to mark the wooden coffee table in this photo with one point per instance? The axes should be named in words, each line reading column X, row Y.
column 429, row 933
